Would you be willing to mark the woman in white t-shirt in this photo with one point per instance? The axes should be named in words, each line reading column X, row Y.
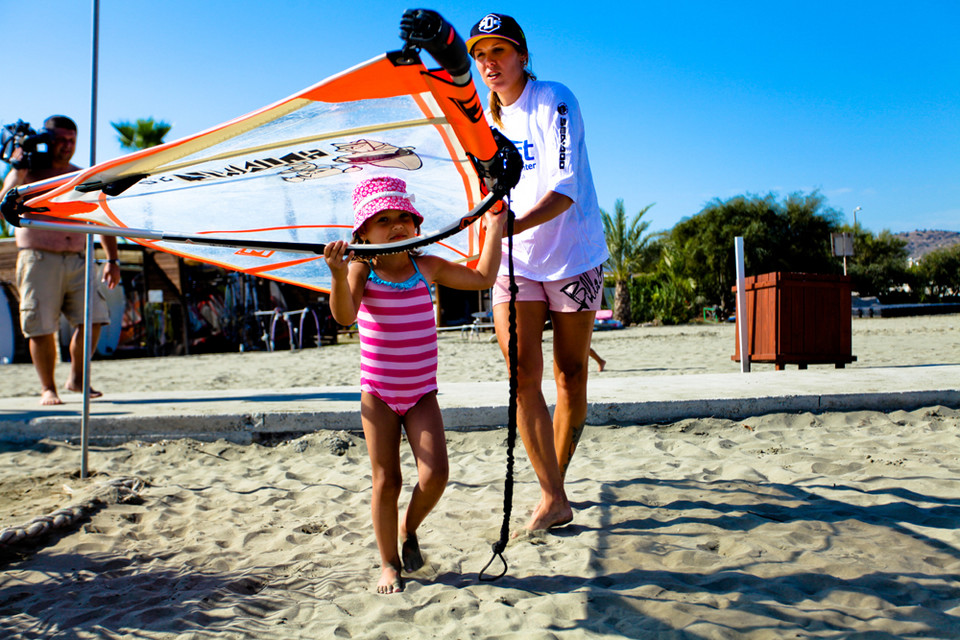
column 558, row 252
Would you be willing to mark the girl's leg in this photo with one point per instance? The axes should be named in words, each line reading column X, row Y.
column 533, row 417
column 381, row 429
column 424, row 426
column 572, row 333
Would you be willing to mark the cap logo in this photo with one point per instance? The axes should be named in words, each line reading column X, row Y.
column 489, row 23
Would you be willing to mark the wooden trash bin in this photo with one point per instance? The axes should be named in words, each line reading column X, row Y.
column 798, row 318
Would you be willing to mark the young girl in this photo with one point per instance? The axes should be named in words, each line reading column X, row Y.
column 390, row 300
column 559, row 249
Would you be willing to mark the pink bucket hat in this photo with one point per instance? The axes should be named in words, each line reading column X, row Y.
column 373, row 195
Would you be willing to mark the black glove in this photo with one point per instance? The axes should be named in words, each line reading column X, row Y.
column 419, row 27
column 423, row 28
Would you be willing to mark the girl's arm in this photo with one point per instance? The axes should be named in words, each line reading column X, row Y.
column 458, row 276
column 349, row 277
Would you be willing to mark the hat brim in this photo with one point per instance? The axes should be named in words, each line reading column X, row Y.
column 377, row 205
column 475, row 39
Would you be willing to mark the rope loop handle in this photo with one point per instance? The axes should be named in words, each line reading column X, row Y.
column 497, row 553
column 512, row 357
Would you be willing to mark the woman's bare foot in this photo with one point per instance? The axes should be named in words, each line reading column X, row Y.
column 49, row 397
column 79, row 389
column 556, row 517
column 410, row 554
column 601, row 363
column 390, row 581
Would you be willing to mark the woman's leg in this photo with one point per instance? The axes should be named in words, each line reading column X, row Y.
column 533, row 417
column 381, row 430
column 424, row 426
column 572, row 333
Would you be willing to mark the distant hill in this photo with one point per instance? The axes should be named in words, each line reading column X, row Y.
column 922, row 242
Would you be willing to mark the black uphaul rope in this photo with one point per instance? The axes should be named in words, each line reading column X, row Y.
column 500, row 545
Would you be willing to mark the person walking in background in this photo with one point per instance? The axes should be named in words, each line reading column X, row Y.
column 601, row 363
column 559, row 250
column 51, row 267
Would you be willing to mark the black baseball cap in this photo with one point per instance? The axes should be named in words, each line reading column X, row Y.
column 497, row 25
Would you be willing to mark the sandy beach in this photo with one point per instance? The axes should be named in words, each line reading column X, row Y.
column 830, row 525
column 635, row 351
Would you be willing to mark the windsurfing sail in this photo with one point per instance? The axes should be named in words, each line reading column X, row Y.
column 263, row 193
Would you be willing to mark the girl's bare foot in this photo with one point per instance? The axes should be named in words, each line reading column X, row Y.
column 410, row 553
column 390, row 581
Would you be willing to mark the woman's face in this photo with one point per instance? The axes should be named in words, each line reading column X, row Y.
column 501, row 67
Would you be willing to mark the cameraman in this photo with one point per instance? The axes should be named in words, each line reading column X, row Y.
column 50, row 274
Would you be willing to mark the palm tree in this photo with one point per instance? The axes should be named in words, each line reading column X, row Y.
column 626, row 243
column 141, row 135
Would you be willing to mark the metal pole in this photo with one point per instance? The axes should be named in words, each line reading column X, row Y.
column 742, row 306
column 854, row 237
column 89, row 270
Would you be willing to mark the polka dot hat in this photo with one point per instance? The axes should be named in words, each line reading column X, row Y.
column 373, row 195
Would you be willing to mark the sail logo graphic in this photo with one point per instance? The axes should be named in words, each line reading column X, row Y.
column 247, row 168
column 256, row 253
column 380, row 154
column 355, row 155
column 471, row 107
column 298, row 166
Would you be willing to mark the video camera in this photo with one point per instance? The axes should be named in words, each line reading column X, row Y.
column 36, row 146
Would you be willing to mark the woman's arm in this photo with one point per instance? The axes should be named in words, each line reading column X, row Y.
column 558, row 134
column 551, row 205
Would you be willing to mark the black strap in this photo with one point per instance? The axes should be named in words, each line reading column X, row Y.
column 500, row 545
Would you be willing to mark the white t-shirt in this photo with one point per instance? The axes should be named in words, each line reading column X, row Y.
column 546, row 126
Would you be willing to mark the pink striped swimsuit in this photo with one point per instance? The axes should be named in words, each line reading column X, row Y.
column 398, row 341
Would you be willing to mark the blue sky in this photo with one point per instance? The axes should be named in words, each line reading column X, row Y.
column 684, row 102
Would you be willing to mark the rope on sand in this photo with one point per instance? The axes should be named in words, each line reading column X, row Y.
column 118, row 490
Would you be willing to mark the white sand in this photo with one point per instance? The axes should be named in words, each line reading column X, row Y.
column 834, row 525
column 637, row 351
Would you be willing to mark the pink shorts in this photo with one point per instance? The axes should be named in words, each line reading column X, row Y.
column 577, row 293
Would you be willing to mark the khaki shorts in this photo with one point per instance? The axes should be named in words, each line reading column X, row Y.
column 578, row 293
column 51, row 283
